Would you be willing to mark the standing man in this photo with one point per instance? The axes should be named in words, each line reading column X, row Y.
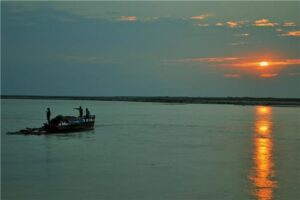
column 80, row 111
column 48, row 113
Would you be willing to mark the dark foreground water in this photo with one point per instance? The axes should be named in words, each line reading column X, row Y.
column 153, row 151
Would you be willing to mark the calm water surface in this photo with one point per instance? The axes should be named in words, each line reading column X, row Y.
column 153, row 151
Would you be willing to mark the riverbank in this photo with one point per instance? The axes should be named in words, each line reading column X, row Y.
column 167, row 99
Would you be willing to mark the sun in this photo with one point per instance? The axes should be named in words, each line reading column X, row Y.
column 263, row 110
column 263, row 63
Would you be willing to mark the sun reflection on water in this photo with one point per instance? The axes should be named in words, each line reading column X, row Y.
column 263, row 167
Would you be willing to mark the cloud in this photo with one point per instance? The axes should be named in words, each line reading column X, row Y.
column 232, row 24
column 219, row 24
column 292, row 34
column 294, row 74
column 232, row 75
column 128, row 18
column 247, row 65
column 283, row 62
column 235, row 24
column 202, row 25
column 238, row 43
column 289, row 24
column 149, row 19
column 241, row 35
column 201, row 17
column 90, row 59
column 286, row 62
column 208, row 60
column 133, row 18
column 239, row 61
column 265, row 22
column 271, row 75
column 259, row 23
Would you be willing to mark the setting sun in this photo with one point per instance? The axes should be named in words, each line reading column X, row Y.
column 264, row 110
column 264, row 64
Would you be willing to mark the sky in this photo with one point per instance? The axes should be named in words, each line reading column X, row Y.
column 205, row 49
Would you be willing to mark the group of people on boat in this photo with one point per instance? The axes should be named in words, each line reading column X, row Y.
column 81, row 112
column 86, row 117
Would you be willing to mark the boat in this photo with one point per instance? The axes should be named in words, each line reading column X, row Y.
column 62, row 124
column 66, row 124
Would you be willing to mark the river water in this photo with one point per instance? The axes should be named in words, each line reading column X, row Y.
column 152, row 151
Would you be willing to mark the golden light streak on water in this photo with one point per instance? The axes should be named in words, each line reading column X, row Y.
column 262, row 176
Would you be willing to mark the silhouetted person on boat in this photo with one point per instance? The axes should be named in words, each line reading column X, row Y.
column 48, row 113
column 87, row 116
column 80, row 111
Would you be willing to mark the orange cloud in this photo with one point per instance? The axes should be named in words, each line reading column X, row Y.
column 239, row 61
column 286, row 62
column 292, row 34
column 235, row 24
column 201, row 17
column 264, row 22
column 128, row 18
column 232, row 75
column 247, row 65
column 283, row 62
column 268, row 75
column 289, row 24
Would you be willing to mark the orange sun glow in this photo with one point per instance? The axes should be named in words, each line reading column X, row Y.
column 263, row 110
column 263, row 63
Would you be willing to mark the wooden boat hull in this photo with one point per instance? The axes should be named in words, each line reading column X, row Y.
column 62, row 124
column 84, row 126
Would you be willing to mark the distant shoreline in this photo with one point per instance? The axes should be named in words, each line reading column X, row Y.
column 178, row 100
